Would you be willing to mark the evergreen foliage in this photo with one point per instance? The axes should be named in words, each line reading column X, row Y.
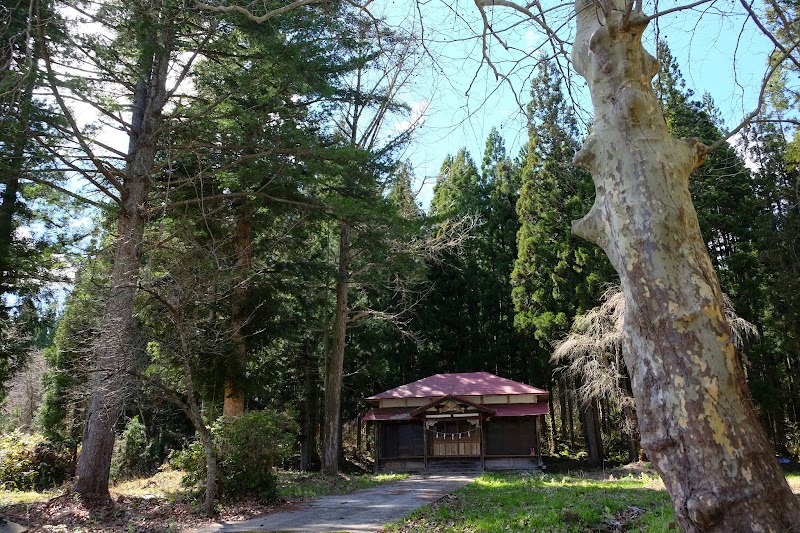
column 131, row 452
column 556, row 275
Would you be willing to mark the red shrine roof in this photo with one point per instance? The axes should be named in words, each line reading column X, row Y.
column 499, row 410
column 461, row 384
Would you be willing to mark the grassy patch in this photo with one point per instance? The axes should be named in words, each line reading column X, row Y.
column 534, row 502
column 15, row 497
column 161, row 485
column 294, row 485
column 553, row 502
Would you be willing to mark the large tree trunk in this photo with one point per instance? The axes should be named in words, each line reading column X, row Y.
column 696, row 418
column 335, row 366
column 117, row 340
column 114, row 348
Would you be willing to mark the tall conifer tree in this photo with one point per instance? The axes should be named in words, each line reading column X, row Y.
column 556, row 275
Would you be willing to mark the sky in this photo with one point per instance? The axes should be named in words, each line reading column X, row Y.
column 458, row 99
column 720, row 53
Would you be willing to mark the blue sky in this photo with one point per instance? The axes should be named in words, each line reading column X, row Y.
column 722, row 54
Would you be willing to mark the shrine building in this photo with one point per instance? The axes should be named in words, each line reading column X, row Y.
column 465, row 421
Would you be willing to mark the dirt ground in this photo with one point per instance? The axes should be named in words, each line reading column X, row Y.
column 126, row 514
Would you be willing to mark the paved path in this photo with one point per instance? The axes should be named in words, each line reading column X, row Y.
column 359, row 511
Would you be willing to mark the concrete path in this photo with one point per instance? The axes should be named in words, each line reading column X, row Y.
column 360, row 511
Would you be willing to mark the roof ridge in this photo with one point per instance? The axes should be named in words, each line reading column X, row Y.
column 458, row 384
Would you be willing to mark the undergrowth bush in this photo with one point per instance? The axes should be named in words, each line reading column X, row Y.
column 132, row 456
column 247, row 447
column 31, row 462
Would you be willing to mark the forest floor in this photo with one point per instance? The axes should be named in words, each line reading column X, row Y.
column 159, row 504
column 570, row 497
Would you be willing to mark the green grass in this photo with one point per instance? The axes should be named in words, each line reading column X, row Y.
column 166, row 484
column 14, row 497
column 535, row 502
column 294, row 485
column 552, row 503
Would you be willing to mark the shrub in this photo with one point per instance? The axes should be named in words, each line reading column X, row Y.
column 247, row 448
column 31, row 462
column 131, row 452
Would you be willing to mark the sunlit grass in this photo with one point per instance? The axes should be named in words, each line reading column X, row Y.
column 165, row 484
column 15, row 497
column 535, row 502
column 293, row 485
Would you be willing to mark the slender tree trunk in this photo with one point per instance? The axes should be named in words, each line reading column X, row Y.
column 632, row 433
column 591, row 432
column 632, row 423
column 554, row 439
column 570, row 416
column 340, row 444
column 233, row 402
column 698, row 424
column 335, row 366
column 777, row 414
column 562, row 405
column 211, row 470
column 308, row 409
column 543, row 434
column 116, row 344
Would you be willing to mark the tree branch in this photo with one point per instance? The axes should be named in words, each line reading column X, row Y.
column 759, row 105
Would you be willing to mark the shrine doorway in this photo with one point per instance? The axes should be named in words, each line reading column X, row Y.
column 455, row 438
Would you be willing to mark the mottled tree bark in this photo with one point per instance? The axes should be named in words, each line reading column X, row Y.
column 696, row 418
